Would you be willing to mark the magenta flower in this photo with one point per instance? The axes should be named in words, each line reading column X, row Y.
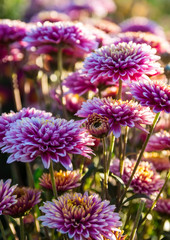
column 142, row 24
column 104, row 25
column 160, row 163
column 67, row 35
column 119, row 113
column 125, row 61
column 146, row 180
column 50, row 16
column 162, row 205
column 6, row 195
column 52, row 139
column 159, row 141
column 81, row 216
column 7, row 119
column 155, row 94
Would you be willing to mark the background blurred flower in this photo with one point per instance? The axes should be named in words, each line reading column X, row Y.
column 146, row 180
column 81, row 216
column 64, row 180
column 50, row 16
column 7, row 198
column 52, row 139
column 160, row 161
column 162, row 205
column 119, row 113
column 125, row 61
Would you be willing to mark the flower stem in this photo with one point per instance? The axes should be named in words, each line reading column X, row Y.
column 105, row 182
column 2, row 231
column 135, row 227
column 139, row 157
column 155, row 201
column 112, row 142
column 119, row 95
column 22, row 236
column 53, row 180
column 29, row 175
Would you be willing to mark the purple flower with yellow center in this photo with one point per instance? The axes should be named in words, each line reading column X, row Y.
column 97, row 125
column 146, row 180
column 123, row 61
column 159, row 160
column 119, row 113
column 81, row 216
column 159, row 141
column 159, row 43
column 64, row 180
column 155, row 94
column 7, row 118
column 27, row 198
column 118, row 234
column 51, row 139
column 68, row 35
column 50, row 16
column 142, row 24
column 7, row 198
column 162, row 206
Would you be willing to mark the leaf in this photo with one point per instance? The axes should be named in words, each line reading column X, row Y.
column 135, row 196
column 91, row 169
column 118, row 179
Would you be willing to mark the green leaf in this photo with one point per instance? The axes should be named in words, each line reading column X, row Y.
column 118, row 179
column 135, row 196
column 91, row 169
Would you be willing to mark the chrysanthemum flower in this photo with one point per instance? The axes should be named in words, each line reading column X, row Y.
column 142, row 24
column 50, row 16
column 7, row 118
column 64, row 180
column 154, row 94
column 27, row 198
column 52, row 139
column 162, row 205
column 69, row 35
column 125, row 61
column 146, row 180
column 159, row 161
column 118, row 235
column 119, row 113
column 104, row 25
column 7, row 198
column 81, row 216
column 159, row 141
column 159, row 43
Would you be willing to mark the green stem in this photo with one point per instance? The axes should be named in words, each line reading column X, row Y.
column 105, row 182
column 29, row 175
column 119, row 95
column 135, row 227
column 158, row 196
column 112, row 142
column 139, row 157
column 2, row 231
column 22, row 235
column 53, row 180
column 52, row 233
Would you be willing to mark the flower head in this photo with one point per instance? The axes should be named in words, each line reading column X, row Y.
column 27, row 198
column 64, row 180
column 81, row 216
column 119, row 113
column 7, row 198
column 68, row 35
column 146, row 180
column 118, row 234
column 159, row 141
column 52, row 139
column 104, row 25
column 142, row 24
column 50, row 16
column 153, row 94
column 7, row 119
column 160, row 161
column 162, row 205
column 125, row 61
column 97, row 125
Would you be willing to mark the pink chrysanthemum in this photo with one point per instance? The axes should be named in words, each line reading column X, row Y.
column 52, row 139
column 154, row 94
column 125, row 61
column 7, row 118
column 81, row 216
column 142, row 24
column 159, row 161
column 158, row 142
column 27, row 198
column 162, row 205
column 50, row 16
column 64, row 180
column 119, row 113
column 7, row 198
column 160, row 44
column 68, row 35
column 146, row 180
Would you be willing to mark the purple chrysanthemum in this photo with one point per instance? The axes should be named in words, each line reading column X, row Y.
column 155, row 94
column 146, row 180
column 119, row 113
column 125, row 61
column 159, row 43
column 7, row 118
column 6, row 195
column 50, row 16
column 162, row 205
column 52, row 139
column 81, row 216
column 60, row 34
column 160, row 162
column 27, row 198
column 158, row 142
column 142, row 24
